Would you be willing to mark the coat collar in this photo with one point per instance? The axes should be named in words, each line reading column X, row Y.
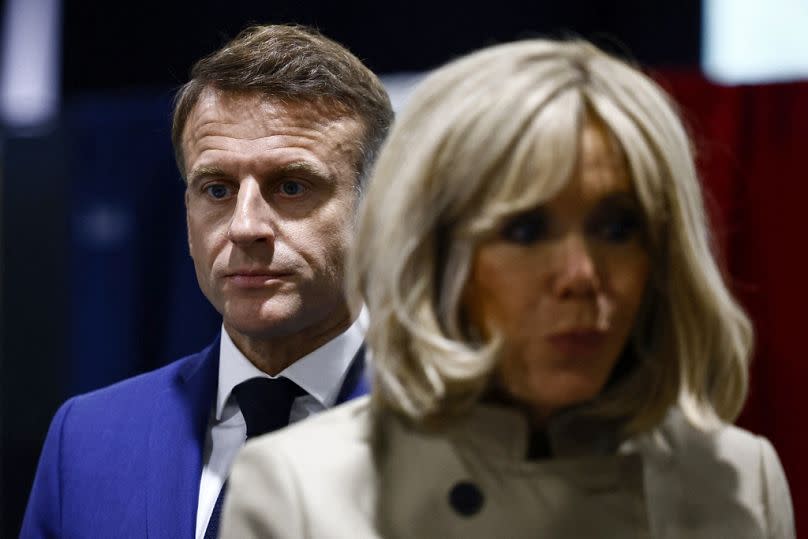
column 505, row 431
column 484, row 455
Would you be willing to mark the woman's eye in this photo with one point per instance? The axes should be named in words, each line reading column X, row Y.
column 526, row 229
column 292, row 188
column 619, row 228
column 217, row 191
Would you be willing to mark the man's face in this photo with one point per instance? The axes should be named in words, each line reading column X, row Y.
column 270, row 204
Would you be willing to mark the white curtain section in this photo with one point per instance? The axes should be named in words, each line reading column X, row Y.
column 755, row 41
column 30, row 63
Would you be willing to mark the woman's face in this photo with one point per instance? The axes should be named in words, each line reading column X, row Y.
column 563, row 284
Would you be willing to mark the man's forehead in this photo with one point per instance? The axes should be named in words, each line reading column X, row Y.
column 247, row 114
column 253, row 106
column 221, row 118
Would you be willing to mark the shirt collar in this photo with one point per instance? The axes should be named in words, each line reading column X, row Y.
column 320, row 373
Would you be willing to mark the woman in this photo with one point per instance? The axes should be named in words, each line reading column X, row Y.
column 556, row 353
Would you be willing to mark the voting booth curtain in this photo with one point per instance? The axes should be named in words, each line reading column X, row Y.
column 752, row 146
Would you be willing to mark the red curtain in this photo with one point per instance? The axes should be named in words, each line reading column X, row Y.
column 752, row 148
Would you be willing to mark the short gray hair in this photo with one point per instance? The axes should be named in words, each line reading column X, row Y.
column 291, row 63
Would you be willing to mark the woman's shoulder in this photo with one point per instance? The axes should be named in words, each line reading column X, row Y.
column 698, row 471
column 679, row 437
column 311, row 479
column 346, row 424
column 680, row 443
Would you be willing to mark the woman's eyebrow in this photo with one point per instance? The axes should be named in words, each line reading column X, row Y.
column 619, row 198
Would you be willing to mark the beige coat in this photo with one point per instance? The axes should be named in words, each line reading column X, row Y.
column 327, row 478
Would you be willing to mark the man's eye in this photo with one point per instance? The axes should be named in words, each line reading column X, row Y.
column 526, row 228
column 292, row 188
column 217, row 191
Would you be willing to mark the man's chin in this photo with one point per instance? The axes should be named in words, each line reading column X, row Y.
column 273, row 320
column 261, row 327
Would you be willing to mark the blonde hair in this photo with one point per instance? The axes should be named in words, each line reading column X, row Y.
column 494, row 134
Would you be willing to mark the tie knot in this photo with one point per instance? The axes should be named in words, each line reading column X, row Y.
column 266, row 403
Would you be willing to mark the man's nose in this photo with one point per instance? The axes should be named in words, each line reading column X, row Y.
column 252, row 216
column 576, row 272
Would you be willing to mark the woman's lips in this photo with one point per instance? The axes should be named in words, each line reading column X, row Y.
column 576, row 343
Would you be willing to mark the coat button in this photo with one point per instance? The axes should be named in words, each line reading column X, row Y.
column 466, row 498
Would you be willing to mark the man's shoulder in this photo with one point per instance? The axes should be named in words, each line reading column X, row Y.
column 135, row 393
column 105, row 448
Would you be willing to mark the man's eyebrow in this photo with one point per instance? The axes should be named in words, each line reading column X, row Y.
column 204, row 172
column 303, row 168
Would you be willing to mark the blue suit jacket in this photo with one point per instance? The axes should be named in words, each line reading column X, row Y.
column 125, row 461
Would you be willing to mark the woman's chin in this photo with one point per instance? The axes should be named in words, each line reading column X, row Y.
column 549, row 397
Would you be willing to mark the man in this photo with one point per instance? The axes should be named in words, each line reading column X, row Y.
column 274, row 136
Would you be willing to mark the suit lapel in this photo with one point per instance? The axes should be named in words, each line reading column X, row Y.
column 177, row 439
column 175, row 445
column 356, row 383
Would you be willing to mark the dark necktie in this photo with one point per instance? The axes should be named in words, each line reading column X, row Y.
column 265, row 404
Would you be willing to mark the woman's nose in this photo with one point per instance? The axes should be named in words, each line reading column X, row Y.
column 576, row 269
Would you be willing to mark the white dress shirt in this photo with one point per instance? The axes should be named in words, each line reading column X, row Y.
column 321, row 374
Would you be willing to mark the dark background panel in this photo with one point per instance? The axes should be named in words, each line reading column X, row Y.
column 110, row 45
column 35, row 288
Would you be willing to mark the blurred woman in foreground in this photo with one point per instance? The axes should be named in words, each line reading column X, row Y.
column 555, row 351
